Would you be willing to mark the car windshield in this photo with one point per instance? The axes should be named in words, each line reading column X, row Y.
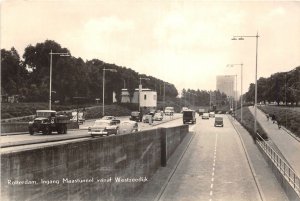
column 188, row 114
column 126, row 124
column 107, row 117
column 101, row 123
column 219, row 118
column 135, row 113
column 44, row 114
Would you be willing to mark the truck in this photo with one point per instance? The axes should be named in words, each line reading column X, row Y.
column 47, row 121
column 189, row 116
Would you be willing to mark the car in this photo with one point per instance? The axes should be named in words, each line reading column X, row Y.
column 212, row 114
column 147, row 118
column 126, row 127
column 112, row 118
column 189, row 116
column 219, row 121
column 201, row 111
column 103, row 127
column 184, row 109
column 136, row 116
column 158, row 116
column 205, row 115
column 169, row 111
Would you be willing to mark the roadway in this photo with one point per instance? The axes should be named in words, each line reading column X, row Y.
column 212, row 164
column 23, row 139
column 214, row 167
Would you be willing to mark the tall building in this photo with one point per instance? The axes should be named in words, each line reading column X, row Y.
column 226, row 84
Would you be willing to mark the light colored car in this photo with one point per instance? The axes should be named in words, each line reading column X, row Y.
column 205, row 115
column 184, row 109
column 103, row 127
column 158, row 116
column 212, row 114
column 169, row 111
column 147, row 118
column 112, row 118
column 126, row 127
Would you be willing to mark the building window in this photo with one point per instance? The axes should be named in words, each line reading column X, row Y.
column 145, row 97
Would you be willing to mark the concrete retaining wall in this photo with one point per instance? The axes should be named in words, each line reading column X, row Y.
column 290, row 192
column 97, row 161
column 23, row 127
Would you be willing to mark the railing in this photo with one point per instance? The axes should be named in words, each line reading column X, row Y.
column 281, row 165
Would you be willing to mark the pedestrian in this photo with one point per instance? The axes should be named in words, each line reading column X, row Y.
column 268, row 116
column 273, row 118
column 279, row 123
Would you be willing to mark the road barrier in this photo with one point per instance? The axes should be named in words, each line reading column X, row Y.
column 100, row 168
column 285, row 174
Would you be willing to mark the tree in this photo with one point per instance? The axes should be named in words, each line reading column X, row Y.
column 13, row 72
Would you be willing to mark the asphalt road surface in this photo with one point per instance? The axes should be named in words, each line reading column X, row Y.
column 11, row 140
column 214, row 167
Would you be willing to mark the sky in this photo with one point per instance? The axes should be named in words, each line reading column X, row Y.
column 183, row 42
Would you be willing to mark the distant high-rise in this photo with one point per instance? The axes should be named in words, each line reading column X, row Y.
column 225, row 84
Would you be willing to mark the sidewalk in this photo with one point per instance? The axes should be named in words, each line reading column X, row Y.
column 288, row 145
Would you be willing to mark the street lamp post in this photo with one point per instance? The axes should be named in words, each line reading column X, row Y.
column 50, row 90
column 103, row 84
column 241, row 64
column 256, row 55
column 164, row 99
column 140, row 90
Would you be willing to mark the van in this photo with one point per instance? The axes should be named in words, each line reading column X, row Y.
column 189, row 116
column 219, row 121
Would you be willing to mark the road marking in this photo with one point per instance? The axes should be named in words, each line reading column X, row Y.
column 213, row 169
column 192, row 128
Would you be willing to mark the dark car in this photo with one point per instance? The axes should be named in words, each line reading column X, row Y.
column 219, row 121
column 136, row 116
column 189, row 116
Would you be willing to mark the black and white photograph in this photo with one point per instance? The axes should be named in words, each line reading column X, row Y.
column 150, row 100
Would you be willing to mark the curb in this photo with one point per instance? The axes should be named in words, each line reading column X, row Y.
column 262, row 197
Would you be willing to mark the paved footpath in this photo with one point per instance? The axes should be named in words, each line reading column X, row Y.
column 288, row 145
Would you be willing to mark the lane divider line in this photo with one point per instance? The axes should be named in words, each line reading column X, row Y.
column 213, row 170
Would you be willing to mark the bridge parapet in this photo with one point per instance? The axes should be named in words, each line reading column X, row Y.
column 108, row 168
column 288, row 179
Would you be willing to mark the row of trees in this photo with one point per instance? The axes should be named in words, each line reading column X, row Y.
column 204, row 98
column 279, row 87
column 71, row 77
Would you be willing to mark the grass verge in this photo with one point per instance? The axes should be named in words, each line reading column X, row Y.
column 248, row 123
column 288, row 117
